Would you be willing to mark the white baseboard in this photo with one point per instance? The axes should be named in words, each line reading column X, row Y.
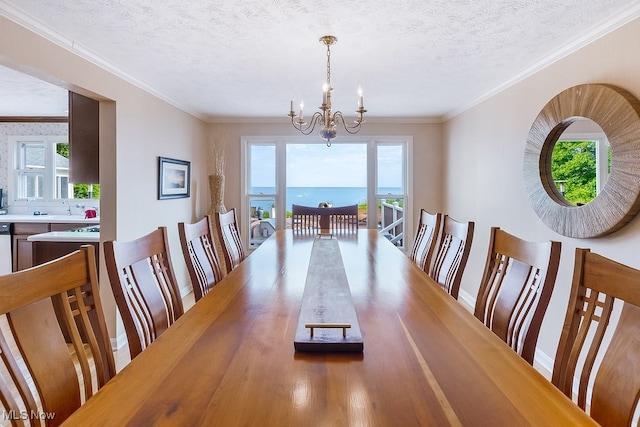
column 466, row 300
column 543, row 363
column 118, row 342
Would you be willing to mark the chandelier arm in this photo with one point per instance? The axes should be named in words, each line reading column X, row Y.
column 355, row 128
column 317, row 117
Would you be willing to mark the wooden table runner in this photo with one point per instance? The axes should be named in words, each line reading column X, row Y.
column 327, row 321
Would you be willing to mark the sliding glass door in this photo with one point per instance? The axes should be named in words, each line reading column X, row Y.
column 372, row 173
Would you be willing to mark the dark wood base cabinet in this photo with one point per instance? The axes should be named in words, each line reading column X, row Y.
column 47, row 251
column 23, row 249
column 22, row 253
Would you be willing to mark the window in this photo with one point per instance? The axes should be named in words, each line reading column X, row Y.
column 370, row 173
column 580, row 167
column 41, row 170
column 31, row 165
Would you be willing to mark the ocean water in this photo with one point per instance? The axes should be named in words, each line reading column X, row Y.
column 312, row 196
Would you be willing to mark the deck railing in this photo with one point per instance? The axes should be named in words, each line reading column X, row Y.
column 392, row 222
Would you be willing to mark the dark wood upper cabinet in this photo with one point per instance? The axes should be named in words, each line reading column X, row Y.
column 84, row 159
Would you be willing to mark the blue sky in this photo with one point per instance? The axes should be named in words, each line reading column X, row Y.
column 316, row 165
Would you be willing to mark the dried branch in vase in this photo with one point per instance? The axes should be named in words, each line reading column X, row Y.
column 217, row 158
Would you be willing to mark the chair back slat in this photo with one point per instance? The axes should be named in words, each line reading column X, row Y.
column 598, row 359
column 452, row 253
column 426, row 239
column 36, row 304
column 145, row 287
column 306, row 219
column 200, row 255
column 342, row 219
column 516, row 288
column 617, row 383
column 233, row 248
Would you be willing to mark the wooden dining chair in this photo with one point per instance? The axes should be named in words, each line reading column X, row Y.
column 200, row 255
column 33, row 338
column 338, row 219
column 601, row 289
column 426, row 239
column 452, row 253
column 144, row 286
column 232, row 246
column 515, row 289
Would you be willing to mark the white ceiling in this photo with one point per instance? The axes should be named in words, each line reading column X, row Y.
column 24, row 95
column 222, row 59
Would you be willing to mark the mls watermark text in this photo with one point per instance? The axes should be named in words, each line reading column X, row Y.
column 27, row 415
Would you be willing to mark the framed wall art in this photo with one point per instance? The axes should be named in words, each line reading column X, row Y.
column 174, row 178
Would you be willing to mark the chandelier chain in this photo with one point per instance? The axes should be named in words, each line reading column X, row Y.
column 329, row 66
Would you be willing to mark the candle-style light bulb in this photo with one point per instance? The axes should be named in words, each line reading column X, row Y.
column 325, row 89
column 301, row 109
column 291, row 108
column 360, row 99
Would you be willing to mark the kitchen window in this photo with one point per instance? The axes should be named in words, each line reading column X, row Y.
column 41, row 170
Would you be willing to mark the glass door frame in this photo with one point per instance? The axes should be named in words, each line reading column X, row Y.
column 280, row 143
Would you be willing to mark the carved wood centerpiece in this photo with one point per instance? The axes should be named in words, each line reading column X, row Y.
column 328, row 320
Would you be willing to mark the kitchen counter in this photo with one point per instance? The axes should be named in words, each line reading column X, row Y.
column 47, row 230
column 66, row 236
column 54, row 219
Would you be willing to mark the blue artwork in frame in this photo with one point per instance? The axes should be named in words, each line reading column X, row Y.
column 174, row 178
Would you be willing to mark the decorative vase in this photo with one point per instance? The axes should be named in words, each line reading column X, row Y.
column 216, row 190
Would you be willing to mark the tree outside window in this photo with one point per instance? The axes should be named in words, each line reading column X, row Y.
column 574, row 169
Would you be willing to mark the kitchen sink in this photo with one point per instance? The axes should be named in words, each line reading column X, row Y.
column 89, row 229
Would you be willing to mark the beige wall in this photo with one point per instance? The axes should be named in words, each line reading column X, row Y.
column 136, row 128
column 484, row 150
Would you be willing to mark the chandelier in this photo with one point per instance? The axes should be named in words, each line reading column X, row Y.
column 325, row 117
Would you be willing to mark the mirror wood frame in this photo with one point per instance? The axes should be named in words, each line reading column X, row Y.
column 617, row 112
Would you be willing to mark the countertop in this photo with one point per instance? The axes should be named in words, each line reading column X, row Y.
column 56, row 219
column 66, row 236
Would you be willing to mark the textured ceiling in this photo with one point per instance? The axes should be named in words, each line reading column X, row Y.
column 247, row 58
column 24, row 95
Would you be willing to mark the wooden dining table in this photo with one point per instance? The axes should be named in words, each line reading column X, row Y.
column 426, row 360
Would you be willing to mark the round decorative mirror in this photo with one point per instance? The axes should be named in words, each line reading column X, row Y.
column 617, row 113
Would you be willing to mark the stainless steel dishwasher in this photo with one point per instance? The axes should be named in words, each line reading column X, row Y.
column 5, row 248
